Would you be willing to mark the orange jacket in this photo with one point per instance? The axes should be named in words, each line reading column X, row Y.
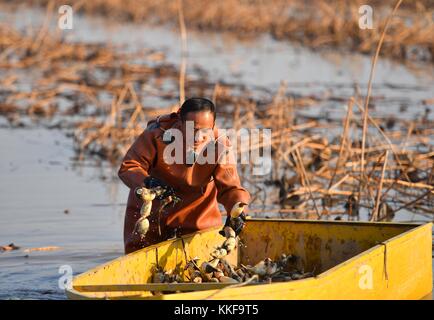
column 200, row 186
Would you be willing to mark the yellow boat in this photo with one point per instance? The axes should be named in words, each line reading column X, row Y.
column 352, row 260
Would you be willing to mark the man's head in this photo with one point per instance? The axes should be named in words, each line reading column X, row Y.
column 201, row 113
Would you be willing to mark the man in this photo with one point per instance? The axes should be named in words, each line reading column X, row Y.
column 200, row 185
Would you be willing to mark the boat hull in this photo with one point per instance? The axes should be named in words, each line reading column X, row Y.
column 351, row 260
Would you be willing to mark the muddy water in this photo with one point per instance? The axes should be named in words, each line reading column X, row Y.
column 48, row 199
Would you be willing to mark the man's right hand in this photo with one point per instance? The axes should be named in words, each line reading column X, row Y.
column 151, row 185
column 144, row 194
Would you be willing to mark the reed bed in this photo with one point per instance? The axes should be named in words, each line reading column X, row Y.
column 317, row 24
column 98, row 94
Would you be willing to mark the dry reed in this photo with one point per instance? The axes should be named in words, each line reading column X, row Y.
column 316, row 161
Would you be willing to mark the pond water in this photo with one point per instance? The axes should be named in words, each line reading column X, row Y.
column 47, row 198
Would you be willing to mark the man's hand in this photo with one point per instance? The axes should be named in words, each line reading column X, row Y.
column 236, row 219
column 161, row 189
column 144, row 194
column 154, row 186
column 238, row 223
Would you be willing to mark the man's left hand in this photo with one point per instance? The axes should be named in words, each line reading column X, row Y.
column 236, row 219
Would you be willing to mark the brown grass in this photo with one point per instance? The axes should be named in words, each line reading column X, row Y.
column 316, row 162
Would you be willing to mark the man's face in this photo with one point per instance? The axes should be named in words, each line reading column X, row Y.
column 202, row 122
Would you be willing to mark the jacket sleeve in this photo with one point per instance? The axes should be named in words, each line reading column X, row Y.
column 227, row 181
column 138, row 160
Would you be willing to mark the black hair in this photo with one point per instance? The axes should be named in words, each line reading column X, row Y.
column 197, row 105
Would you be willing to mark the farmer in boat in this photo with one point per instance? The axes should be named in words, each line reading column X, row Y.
column 202, row 174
